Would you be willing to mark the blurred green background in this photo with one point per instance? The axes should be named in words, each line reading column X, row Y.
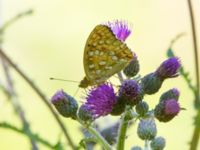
column 50, row 43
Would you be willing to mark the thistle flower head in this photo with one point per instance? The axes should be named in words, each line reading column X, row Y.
column 151, row 83
column 142, row 108
column 169, row 68
column 147, row 129
column 101, row 100
column 158, row 143
column 133, row 67
column 84, row 114
column 120, row 29
column 166, row 110
column 65, row 104
column 131, row 91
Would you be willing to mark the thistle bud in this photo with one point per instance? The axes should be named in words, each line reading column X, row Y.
column 151, row 83
column 147, row 129
column 167, row 110
column 170, row 94
column 65, row 104
column 133, row 67
column 158, row 143
column 142, row 108
column 85, row 114
column 136, row 148
column 131, row 91
column 169, row 68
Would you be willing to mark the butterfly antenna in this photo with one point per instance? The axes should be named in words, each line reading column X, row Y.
column 58, row 79
column 76, row 92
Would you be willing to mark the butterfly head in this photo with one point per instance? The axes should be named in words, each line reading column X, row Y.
column 84, row 83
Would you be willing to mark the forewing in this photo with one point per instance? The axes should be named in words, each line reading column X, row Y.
column 104, row 55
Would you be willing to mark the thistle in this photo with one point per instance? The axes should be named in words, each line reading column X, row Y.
column 120, row 29
column 133, row 67
column 158, row 143
column 131, row 91
column 147, row 129
column 166, row 110
column 142, row 108
column 65, row 104
column 100, row 100
column 151, row 83
column 169, row 68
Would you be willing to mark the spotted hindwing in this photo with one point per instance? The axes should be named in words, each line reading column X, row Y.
column 104, row 55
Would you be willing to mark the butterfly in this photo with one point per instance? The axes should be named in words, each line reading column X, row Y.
column 104, row 56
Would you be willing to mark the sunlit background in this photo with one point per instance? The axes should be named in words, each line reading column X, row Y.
column 50, row 43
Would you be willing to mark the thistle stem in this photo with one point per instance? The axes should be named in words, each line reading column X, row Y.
column 196, row 59
column 122, row 129
column 101, row 140
column 146, row 145
column 196, row 132
column 97, row 135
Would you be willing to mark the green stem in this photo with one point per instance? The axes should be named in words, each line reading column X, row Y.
column 97, row 135
column 146, row 145
column 122, row 129
column 196, row 59
column 196, row 132
column 100, row 138
column 21, row 131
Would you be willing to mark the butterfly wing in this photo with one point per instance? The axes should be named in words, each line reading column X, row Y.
column 104, row 55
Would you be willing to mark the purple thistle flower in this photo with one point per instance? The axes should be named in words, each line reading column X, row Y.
column 100, row 100
column 172, row 107
column 120, row 29
column 166, row 110
column 131, row 91
column 169, row 68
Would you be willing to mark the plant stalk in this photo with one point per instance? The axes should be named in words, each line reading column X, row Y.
column 97, row 135
column 123, row 129
column 196, row 132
